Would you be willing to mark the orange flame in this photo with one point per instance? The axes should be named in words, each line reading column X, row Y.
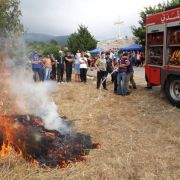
column 5, row 150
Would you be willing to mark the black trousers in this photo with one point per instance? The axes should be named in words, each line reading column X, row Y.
column 112, row 75
column 61, row 72
column 115, row 81
column 53, row 72
column 83, row 74
column 68, row 72
column 101, row 75
column 138, row 63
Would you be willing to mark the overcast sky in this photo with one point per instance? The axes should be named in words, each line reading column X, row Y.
column 61, row 17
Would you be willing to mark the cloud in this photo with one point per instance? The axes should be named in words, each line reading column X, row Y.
column 62, row 17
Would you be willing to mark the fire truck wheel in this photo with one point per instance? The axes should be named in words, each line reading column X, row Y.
column 173, row 90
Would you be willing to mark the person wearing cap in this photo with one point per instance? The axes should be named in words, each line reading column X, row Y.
column 88, row 56
column 60, row 66
column 101, row 67
column 123, row 63
column 36, row 67
column 68, row 62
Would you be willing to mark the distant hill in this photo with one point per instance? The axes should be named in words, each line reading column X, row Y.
column 62, row 40
column 31, row 37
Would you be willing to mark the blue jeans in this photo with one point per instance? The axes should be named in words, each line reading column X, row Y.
column 121, row 81
column 47, row 72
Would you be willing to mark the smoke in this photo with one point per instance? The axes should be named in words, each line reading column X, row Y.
column 32, row 98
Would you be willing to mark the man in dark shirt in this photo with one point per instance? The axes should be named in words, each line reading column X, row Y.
column 109, row 63
column 68, row 62
column 123, row 62
column 60, row 65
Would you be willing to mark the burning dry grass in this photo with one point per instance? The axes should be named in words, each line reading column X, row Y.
column 140, row 136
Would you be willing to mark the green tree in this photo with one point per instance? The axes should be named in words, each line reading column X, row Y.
column 44, row 48
column 10, row 13
column 81, row 40
column 140, row 32
column 52, row 49
column 54, row 42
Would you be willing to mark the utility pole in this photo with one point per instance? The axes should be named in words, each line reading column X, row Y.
column 119, row 23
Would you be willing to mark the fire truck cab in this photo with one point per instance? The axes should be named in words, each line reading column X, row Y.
column 163, row 52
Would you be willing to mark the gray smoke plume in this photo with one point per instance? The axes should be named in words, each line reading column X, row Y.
column 33, row 98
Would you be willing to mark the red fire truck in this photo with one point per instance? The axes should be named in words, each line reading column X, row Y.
column 163, row 52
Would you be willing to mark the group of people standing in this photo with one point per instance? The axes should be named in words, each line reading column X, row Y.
column 44, row 67
column 67, row 61
column 119, row 65
column 120, row 69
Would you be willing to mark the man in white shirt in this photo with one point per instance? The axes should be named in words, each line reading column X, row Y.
column 83, row 67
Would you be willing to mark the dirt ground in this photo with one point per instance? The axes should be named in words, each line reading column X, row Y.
column 139, row 136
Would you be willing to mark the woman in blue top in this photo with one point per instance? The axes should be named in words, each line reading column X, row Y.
column 76, row 68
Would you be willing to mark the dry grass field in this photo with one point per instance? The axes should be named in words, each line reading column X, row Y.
column 139, row 136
